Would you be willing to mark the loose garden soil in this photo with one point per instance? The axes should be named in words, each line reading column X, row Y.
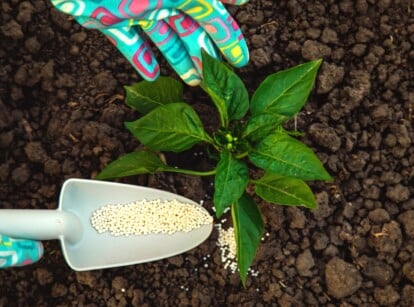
column 62, row 114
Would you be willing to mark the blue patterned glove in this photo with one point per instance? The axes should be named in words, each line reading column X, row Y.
column 19, row 252
column 179, row 28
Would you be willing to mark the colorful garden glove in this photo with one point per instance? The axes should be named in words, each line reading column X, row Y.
column 17, row 252
column 179, row 28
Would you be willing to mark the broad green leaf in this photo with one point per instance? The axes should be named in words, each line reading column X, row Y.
column 225, row 89
column 172, row 127
column 219, row 103
column 285, row 191
column 248, row 231
column 260, row 126
column 281, row 154
column 231, row 179
column 285, row 92
column 134, row 163
column 145, row 96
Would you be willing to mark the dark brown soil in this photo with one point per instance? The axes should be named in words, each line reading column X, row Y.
column 62, row 114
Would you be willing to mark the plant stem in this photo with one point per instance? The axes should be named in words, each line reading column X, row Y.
column 212, row 142
column 242, row 155
column 190, row 172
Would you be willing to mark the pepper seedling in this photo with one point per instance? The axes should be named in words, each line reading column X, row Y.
column 251, row 135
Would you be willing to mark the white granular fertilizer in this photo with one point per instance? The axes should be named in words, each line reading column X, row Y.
column 149, row 217
column 228, row 247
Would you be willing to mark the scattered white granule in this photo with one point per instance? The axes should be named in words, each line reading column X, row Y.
column 149, row 217
column 228, row 247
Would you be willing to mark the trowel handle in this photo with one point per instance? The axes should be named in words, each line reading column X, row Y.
column 40, row 224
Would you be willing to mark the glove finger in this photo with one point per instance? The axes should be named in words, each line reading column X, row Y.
column 159, row 14
column 235, row 2
column 16, row 252
column 173, row 49
column 95, row 14
column 135, row 50
column 221, row 27
column 194, row 38
column 109, row 13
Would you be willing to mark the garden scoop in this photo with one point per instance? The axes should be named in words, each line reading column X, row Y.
column 84, row 248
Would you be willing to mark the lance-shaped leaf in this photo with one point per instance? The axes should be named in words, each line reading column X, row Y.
column 262, row 125
column 172, row 127
column 284, row 191
column 231, row 179
column 281, row 154
column 225, row 89
column 248, row 230
column 285, row 92
column 145, row 96
column 134, row 163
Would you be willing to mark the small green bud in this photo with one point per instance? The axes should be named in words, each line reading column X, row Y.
column 229, row 137
column 229, row 146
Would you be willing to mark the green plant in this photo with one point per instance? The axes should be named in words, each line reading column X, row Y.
column 250, row 135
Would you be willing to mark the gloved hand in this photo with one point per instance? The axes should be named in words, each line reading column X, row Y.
column 179, row 28
column 18, row 252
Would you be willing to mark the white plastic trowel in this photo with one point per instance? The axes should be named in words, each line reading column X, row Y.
column 83, row 247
